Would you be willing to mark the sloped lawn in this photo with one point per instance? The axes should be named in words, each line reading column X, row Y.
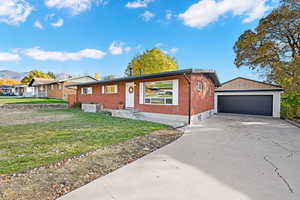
column 26, row 146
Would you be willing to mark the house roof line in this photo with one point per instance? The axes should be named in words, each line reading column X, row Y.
column 211, row 73
column 51, row 81
column 251, row 80
column 40, row 79
column 68, row 79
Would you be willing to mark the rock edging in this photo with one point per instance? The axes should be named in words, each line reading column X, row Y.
column 30, row 106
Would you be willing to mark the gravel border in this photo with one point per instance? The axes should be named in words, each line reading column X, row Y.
column 56, row 179
column 293, row 123
column 32, row 106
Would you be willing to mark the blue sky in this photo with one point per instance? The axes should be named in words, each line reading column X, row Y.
column 103, row 35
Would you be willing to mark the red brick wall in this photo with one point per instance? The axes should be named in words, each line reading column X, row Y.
column 60, row 91
column 180, row 109
column 202, row 100
column 71, row 100
column 109, row 101
column 54, row 92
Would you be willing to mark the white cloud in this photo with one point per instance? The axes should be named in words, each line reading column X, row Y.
column 58, row 24
column 16, row 50
column 169, row 14
column 118, row 48
column 14, row 12
column 157, row 45
column 147, row 16
column 75, row 6
column 138, row 4
column 38, row 54
column 207, row 11
column 92, row 53
column 38, row 24
column 9, row 57
column 49, row 16
column 166, row 49
column 173, row 50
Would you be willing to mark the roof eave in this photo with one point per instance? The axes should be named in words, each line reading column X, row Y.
column 212, row 74
column 252, row 90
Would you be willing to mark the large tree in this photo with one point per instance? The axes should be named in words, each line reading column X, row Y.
column 52, row 75
column 151, row 61
column 97, row 76
column 273, row 48
column 35, row 74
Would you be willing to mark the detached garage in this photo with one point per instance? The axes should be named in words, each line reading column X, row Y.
column 245, row 96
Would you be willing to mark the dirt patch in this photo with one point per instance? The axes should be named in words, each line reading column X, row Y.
column 14, row 117
column 57, row 179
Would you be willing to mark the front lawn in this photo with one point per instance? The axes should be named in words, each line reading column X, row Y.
column 30, row 101
column 35, row 143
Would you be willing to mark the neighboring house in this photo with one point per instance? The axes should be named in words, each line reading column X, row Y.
column 51, row 88
column 18, row 90
column 23, row 90
column 6, row 90
column 28, row 91
column 182, row 94
column 246, row 96
column 40, row 86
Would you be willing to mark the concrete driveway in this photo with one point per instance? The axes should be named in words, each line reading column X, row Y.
column 225, row 157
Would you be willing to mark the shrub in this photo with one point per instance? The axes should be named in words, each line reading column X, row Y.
column 77, row 105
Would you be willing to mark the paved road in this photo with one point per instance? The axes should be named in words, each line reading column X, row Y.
column 222, row 158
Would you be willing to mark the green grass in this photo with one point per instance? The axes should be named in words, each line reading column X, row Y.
column 30, row 101
column 27, row 146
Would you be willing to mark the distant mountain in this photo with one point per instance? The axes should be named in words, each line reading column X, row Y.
column 6, row 74
column 18, row 76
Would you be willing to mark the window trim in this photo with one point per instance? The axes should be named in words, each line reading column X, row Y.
column 91, row 92
column 200, row 83
column 175, row 92
column 116, row 89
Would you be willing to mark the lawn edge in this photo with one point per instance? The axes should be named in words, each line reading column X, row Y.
column 57, row 189
column 85, row 154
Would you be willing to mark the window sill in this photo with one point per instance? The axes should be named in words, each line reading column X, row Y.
column 149, row 104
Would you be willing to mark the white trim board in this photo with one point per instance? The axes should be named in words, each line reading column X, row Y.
column 180, row 118
column 276, row 99
column 175, row 102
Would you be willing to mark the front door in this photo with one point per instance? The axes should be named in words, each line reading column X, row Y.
column 130, row 95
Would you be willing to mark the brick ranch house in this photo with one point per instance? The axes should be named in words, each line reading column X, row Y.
column 50, row 88
column 184, row 94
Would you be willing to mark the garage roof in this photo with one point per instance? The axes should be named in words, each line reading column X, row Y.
column 243, row 84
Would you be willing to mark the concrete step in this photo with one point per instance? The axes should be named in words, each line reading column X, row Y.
column 134, row 114
column 129, row 114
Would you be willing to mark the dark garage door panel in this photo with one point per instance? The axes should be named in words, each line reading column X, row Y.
column 246, row 104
